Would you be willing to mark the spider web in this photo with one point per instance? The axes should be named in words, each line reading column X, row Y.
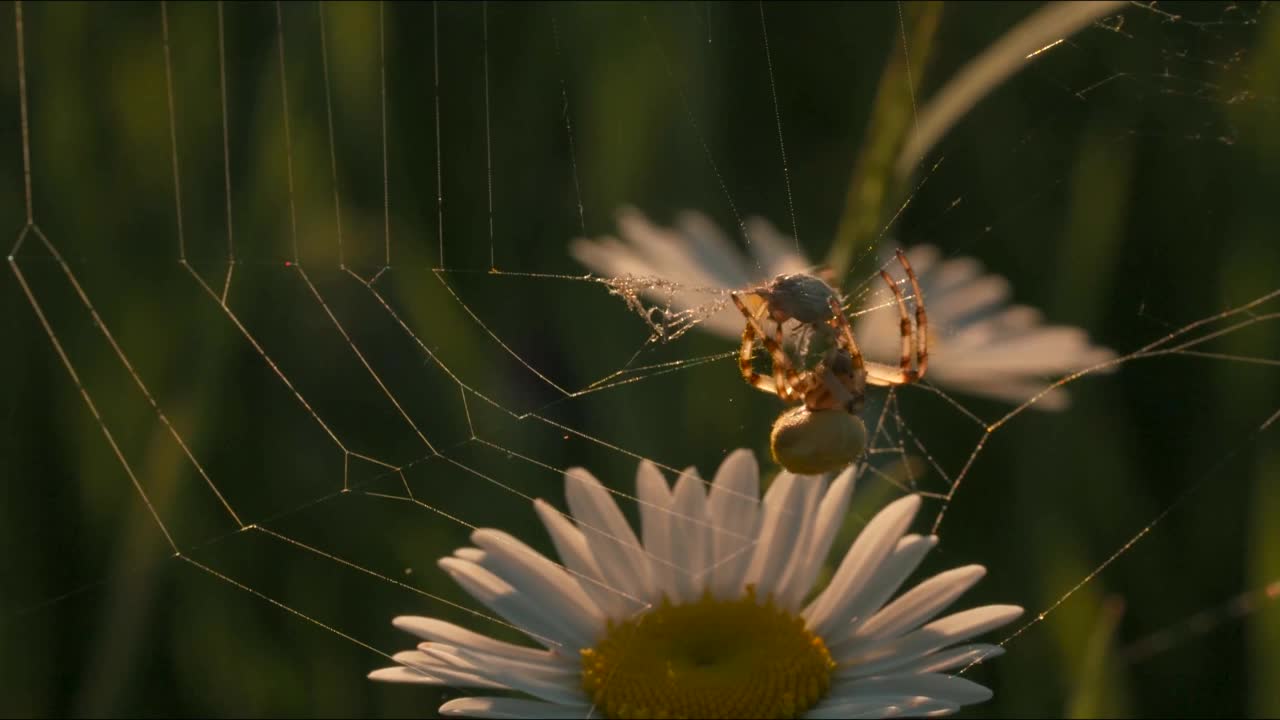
column 292, row 314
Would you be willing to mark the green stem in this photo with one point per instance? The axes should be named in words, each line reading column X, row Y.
column 893, row 115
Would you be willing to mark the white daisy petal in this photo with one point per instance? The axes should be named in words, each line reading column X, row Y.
column 498, row 595
column 910, row 708
column 944, row 276
column 470, row 554
column 618, row 554
column 435, row 630
column 993, row 327
column 903, row 561
column 432, row 657
column 571, row 546
column 881, row 655
column 609, row 258
column 435, row 658
column 975, row 296
column 666, row 249
column 697, row 257
column 877, row 540
column 689, row 523
column 788, row 592
column 655, row 500
column 734, row 512
column 691, row 274
column 824, row 526
column 775, row 253
column 935, row 686
column 979, row 334
column 713, row 251
column 545, row 682
column 955, row 658
column 430, row 671
column 543, row 581
column 402, row 674
column 882, row 706
column 502, row 707
column 1042, row 351
column 922, row 602
column 779, row 526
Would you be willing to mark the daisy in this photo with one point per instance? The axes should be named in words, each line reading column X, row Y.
column 713, row 615
column 979, row 344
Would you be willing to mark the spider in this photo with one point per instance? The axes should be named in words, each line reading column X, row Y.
column 823, row 432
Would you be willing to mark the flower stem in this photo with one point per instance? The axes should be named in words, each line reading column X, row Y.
column 873, row 186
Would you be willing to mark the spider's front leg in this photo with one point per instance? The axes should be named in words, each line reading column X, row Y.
column 785, row 378
column 749, row 374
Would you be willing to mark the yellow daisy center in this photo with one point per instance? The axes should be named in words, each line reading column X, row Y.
column 708, row 659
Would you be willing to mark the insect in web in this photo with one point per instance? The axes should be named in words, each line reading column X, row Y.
column 822, row 371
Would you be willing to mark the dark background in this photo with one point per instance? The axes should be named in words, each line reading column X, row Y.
column 1125, row 183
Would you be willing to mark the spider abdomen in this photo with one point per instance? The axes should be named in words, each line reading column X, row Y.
column 812, row 442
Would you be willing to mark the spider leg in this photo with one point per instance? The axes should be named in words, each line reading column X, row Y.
column 846, row 336
column 784, row 376
column 908, row 374
column 855, row 389
column 922, row 320
column 753, row 378
column 792, row 376
column 746, row 350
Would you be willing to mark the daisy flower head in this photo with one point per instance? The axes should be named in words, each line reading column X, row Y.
column 711, row 611
column 979, row 343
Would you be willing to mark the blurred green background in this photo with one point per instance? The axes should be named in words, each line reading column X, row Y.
column 1125, row 183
